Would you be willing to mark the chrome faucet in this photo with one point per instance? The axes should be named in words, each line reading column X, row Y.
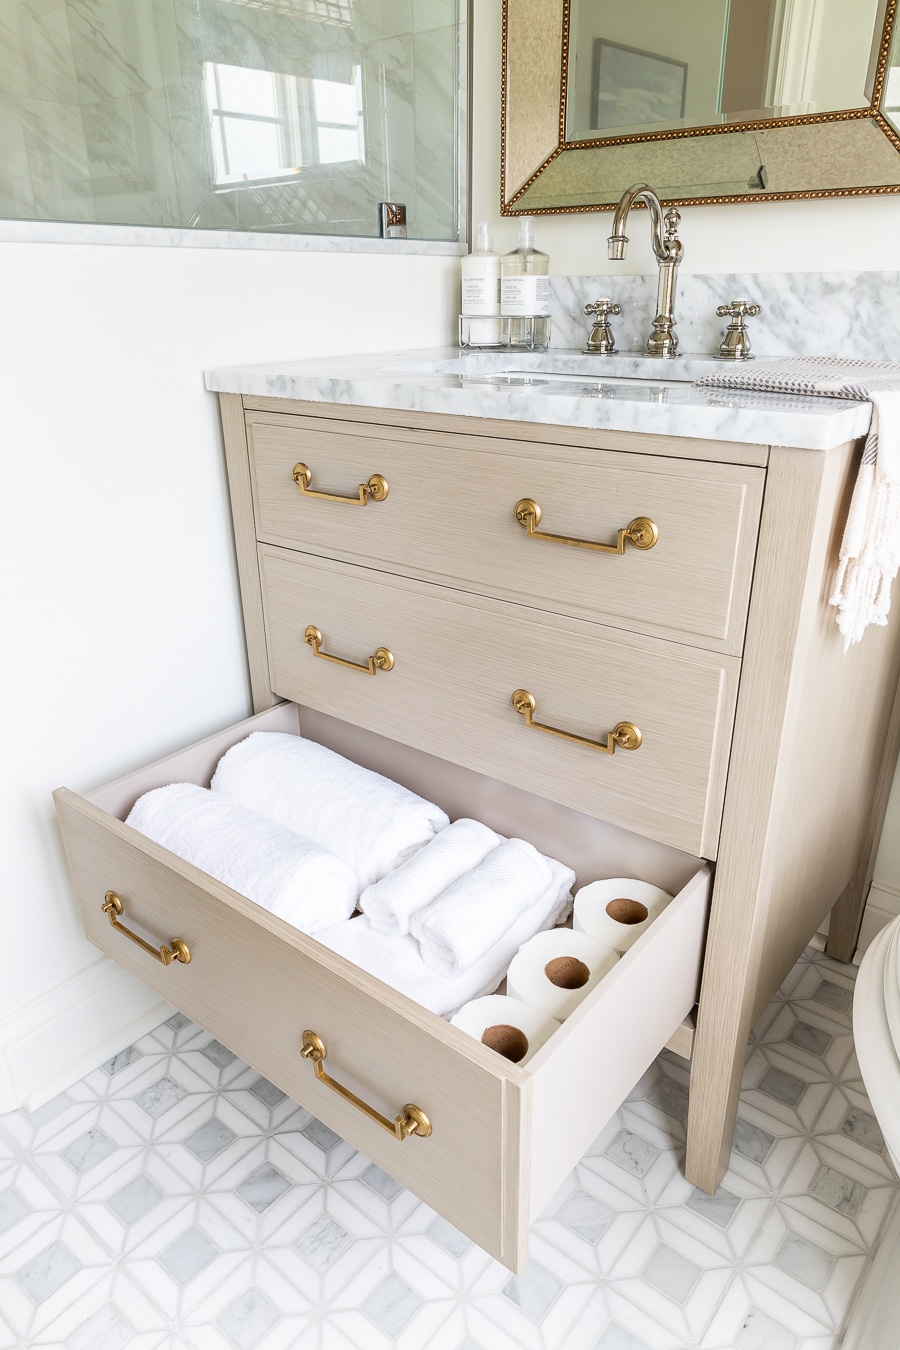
column 663, row 340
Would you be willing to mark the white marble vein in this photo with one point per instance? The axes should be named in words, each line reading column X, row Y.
column 657, row 398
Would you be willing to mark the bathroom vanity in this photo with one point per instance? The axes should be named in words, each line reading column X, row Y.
column 674, row 705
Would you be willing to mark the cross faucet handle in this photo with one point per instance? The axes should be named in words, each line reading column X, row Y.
column 739, row 309
column 735, row 345
column 602, row 308
column 601, row 339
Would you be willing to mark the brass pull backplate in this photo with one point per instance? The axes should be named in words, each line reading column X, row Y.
column 411, row 1120
column 375, row 487
column 112, row 908
column 625, row 735
column 641, row 533
column 381, row 658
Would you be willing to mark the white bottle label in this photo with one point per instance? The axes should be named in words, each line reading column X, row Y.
column 523, row 296
column 480, row 295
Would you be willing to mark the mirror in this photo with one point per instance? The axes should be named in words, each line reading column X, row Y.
column 707, row 100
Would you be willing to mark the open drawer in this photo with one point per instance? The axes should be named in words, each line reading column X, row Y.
column 503, row 1138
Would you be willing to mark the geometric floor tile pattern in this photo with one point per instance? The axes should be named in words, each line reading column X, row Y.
column 173, row 1198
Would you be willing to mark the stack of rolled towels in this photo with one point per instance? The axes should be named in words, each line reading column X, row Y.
column 444, row 925
column 447, row 910
column 307, row 835
column 554, row 971
column 291, row 825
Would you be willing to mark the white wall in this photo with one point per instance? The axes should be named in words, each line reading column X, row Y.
column 122, row 635
column 833, row 235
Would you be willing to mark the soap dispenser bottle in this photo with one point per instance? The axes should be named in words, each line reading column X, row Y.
column 479, row 324
column 525, row 292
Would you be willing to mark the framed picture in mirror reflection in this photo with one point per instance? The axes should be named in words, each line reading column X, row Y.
column 631, row 88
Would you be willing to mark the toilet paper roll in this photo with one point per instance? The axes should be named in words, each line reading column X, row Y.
column 555, row 970
column 514, row 1029
column 617, row 911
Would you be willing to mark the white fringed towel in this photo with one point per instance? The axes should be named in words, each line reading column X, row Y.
column 471, row 916
column 870, row 548
column 273, row 866
column 390, row 903
column 398, row 960
column 369, row 821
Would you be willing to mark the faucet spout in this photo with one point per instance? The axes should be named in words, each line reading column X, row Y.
column 669, row 252
column 618, row 240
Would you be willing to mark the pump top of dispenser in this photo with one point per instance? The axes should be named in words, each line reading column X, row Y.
column 526, row 233
column 484, row 242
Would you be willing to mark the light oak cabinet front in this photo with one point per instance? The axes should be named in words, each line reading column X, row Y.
column 374, row 530
column 449, row 516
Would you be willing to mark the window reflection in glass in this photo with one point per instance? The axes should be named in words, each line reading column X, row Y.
column 265, row 125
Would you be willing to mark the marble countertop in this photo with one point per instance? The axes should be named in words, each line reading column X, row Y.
column 560, row 387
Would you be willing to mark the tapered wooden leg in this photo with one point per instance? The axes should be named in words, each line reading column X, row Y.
column 724, row 1022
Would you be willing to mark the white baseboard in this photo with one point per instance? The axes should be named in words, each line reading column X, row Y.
column 69, row 1029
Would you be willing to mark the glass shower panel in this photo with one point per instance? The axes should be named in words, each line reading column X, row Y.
column 287, row 116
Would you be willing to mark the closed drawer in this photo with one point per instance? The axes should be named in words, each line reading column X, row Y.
column 449, row 516
column 457, row 661
column 503, row 1138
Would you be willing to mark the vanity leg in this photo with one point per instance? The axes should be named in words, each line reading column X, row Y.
column 724, row 1021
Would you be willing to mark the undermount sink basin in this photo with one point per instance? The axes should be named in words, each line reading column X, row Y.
column 537, row 378
column 623, row 370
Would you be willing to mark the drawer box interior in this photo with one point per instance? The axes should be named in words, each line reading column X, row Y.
column 504, row 1138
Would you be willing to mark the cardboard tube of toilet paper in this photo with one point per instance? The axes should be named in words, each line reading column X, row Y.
column 514, row 1029
column 617, row 911
column 555, row 970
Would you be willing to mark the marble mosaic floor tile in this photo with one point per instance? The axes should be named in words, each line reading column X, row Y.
column 175, row 1200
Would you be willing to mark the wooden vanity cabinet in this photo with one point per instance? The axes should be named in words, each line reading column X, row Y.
column 755, row 796
column 809, row 753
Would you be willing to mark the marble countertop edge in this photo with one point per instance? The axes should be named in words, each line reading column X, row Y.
column 421, row 382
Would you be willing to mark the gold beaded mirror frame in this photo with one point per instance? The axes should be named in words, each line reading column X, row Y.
column 791, row 154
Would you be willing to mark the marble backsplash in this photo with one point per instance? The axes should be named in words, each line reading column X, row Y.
column 854, row 314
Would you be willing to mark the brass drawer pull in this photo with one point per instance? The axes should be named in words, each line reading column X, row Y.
column 641, row 533
column 376, row 488
column 382, row 659
column 410, row 1121
column 625, row 735
column 112, row 908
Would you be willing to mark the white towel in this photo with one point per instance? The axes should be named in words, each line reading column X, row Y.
column 275, row 867
column 471, row 916
column 398, row 961
column 369, row 821
column 870, row 547
column 389, row 904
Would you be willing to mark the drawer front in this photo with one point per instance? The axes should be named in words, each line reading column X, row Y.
column 458, row 660
column 449, row 516
column 503, row 1139
column 257, row 984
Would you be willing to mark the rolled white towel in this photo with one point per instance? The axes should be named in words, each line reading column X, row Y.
column 390, row 903
column 275, row 867
column 470, row 917
column 398, row 960
column 369, row 821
